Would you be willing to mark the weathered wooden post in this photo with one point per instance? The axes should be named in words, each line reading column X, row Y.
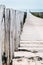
column 2, row 28
column 1, row 31
column 12, row 32
column 17, row 29
column 21, row 21
column 7, row 35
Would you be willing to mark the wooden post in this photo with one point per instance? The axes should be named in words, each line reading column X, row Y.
column 7, row 35
column 1, row 33
column 21, row 21
column 19, row 18
column 17, row 29
column 12, row 32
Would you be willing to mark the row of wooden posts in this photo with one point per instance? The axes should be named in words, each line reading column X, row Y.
column 10, row 30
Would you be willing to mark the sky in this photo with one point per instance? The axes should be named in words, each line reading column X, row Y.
column 23, row 4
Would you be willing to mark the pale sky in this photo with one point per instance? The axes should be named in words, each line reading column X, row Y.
column 23, row 4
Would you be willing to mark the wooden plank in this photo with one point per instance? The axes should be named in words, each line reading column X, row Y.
column 1, row 31
column 7, row 35
column 12, row 32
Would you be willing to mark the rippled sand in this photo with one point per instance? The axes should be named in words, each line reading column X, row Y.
column 25, row 61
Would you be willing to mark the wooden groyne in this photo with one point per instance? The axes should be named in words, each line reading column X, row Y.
column 11, row 23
